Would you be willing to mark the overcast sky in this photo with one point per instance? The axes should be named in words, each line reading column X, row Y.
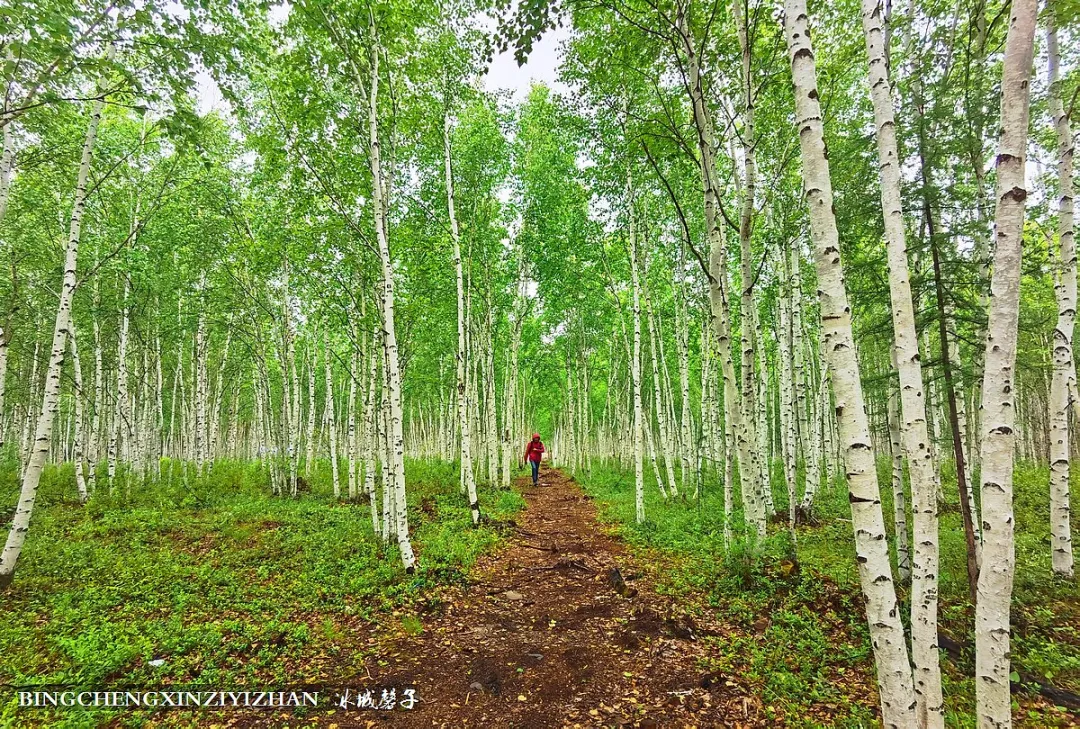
column 504, row 72
column 543, row 65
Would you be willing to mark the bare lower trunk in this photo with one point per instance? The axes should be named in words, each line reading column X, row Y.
column 331, row 420
column 903, row 543
column 79, row 456
column 875, row 572
column 912, row 432
column 635, row 364
column 658, row 405
column 468, row 482
column 20, row 524
column 370, row 433
column 1062, row 353
column 351, row 429
column 309, row 452
column 510, row 434
column 396, row 470
column 788, row 435
column 993, row 705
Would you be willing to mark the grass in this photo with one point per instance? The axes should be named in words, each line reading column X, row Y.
column 798, row 637
column 227, row 585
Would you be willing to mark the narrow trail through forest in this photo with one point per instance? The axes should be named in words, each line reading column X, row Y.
column 544, row 637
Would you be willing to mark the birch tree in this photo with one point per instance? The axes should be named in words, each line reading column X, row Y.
column 395, row 439
column 468, row 482
column 635, row 362
column 875, row 573
column 993, row 703
column 1062, row 353
column 913, row 434
column 20, row 525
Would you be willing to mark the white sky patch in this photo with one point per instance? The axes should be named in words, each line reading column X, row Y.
column 542, row 66
column 548, row 338
column 504, row 73
column 208, row 96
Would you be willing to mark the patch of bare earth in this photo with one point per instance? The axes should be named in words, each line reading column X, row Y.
column 544, row 635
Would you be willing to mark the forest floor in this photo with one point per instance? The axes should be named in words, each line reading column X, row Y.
column 519, row 623
column 546, row 634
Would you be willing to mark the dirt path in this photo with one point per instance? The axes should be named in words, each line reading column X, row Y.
column 541, row 638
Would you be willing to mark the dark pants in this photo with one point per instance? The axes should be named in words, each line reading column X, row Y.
column 535, row 471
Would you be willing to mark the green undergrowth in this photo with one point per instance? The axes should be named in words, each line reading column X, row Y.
column 229, row 586
column 798, row 638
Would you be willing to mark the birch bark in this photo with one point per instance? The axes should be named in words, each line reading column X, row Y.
column 351, row 431
column 746, row 435
column 309, row 453
column 393, row 379
column 331, row 421
column 746, row 220
column 20, row 524
column 80, row 393
column 903, row 544
column 658, row 404
column 635, row 362
column 468, row 482
column 913, row 433
column 6, row 167
column 997, row 411
column 789, row 439
column 875, row 572
column 1062, row 353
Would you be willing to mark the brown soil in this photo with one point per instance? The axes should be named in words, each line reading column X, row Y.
column 540, row 637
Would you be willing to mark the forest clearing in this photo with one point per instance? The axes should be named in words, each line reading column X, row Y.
column 617, row 364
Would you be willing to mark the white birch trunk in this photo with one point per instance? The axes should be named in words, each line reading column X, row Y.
column 658, row 406
column 1062, row 354
column 815, row 436
column 370, row 436
column 509, row 411
column 351, row 432
column 5, row 340
column 116, row 441
column 750, row 469
column 492, row 429
column 993, row 703
column 393, row 379
column 788, row 433
column 80, row 454
column 748, row 308
column 331, row 421
column 28, row 416
column 635, row 363
column 913, row 433
column 686, row 426
column 309, row 453
column 903, row 544
column 798, row 363
column 199, row 365
column 6, row 166
column 875, row 572
column 20, row 524
column 468, row 482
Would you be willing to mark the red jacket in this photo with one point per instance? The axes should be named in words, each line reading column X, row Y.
column 534, row 451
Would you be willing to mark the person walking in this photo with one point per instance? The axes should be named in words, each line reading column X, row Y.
column 534, row 452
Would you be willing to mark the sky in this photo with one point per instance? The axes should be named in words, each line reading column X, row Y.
column 504, row 73
column 542, row 65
